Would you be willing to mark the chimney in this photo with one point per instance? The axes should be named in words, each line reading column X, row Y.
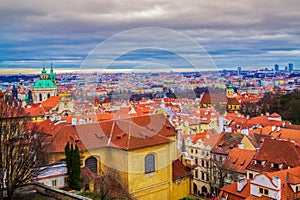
column 74, row 121
column 273, row 128
column 248, row 116
column 283, row 124
column 241, row 183
column 221, row 124
column 267, row 114
column 276, row 180
column 278, row 128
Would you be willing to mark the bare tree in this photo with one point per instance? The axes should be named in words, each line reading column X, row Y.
column 20, row 148
column 108, row 186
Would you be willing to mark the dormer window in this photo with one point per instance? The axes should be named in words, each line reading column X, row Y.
column 221, row 144
column 260, row 162
column 276, row 166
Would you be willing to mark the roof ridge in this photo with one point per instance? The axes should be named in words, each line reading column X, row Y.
column 111, row 132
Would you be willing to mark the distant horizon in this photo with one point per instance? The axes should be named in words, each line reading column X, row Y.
column 252, row 34
column 37, row 71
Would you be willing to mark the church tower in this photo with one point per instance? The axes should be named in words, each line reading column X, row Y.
column 45, row 87
column 230, row 91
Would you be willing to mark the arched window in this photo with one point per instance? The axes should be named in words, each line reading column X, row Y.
column 149, row 163
column 91, row 163
column 48, row 96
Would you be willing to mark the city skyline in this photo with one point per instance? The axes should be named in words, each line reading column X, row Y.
column 251, row 35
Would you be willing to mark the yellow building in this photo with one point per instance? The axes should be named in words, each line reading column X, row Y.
column 140, row 150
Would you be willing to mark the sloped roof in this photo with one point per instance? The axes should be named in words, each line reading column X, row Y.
column 230, row 191
column 127, row 134
column 214, row 98
column 238, row 159
column 51, row 102
column 276, row 151
column 227, row 142
column 179, row 170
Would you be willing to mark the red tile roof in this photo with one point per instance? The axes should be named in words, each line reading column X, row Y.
column 227, row 142
column 179, row 170
column 238, row 160
column 126, row 134
column 51, row 102
column 214, row 98
column 230, row 191
column 276, row 151
column 281, row 133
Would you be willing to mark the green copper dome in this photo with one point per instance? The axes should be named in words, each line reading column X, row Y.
column 44, row 84
column 229, row 86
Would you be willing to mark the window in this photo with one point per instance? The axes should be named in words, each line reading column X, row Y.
column 54, row 183
column 196, row 174
column 207, row 164
column 259, row 162
column 250, row 175
column 275, row 165
column 91, row 163
column 192, row 151
column 266, row 192
column 202, row 175
column 41, row 98
column 149, row 163
column 202, row 163
column 196, row 151
column 196, row 161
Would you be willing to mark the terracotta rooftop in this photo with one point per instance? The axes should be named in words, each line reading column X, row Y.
column 214, row 98
column 179, row 170
column 127, row 134
column 238, row 159
column 278, row 152
column 51, row 102
column 230, row 191
column 227, row 142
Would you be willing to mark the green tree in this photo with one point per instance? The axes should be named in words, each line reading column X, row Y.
column 73, row 166
column 76, row 168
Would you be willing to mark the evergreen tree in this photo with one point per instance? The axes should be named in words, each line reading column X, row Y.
column 73, row 166
column 76, row 168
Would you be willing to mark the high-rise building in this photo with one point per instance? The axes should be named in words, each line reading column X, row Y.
column 276, row 66
column 291, row 66
column 239, row 69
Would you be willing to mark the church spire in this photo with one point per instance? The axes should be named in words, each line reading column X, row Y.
column 52, row 74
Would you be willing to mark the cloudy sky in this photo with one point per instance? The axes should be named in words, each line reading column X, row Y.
column 250, row 34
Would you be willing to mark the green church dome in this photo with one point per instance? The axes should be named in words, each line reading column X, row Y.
column 44, row 84
column 229, row 86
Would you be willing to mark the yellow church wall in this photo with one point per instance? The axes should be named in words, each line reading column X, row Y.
column 156, row 192
column 137, row 179
column 180, row 188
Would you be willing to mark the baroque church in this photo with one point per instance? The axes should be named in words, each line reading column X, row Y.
column 45, row 87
